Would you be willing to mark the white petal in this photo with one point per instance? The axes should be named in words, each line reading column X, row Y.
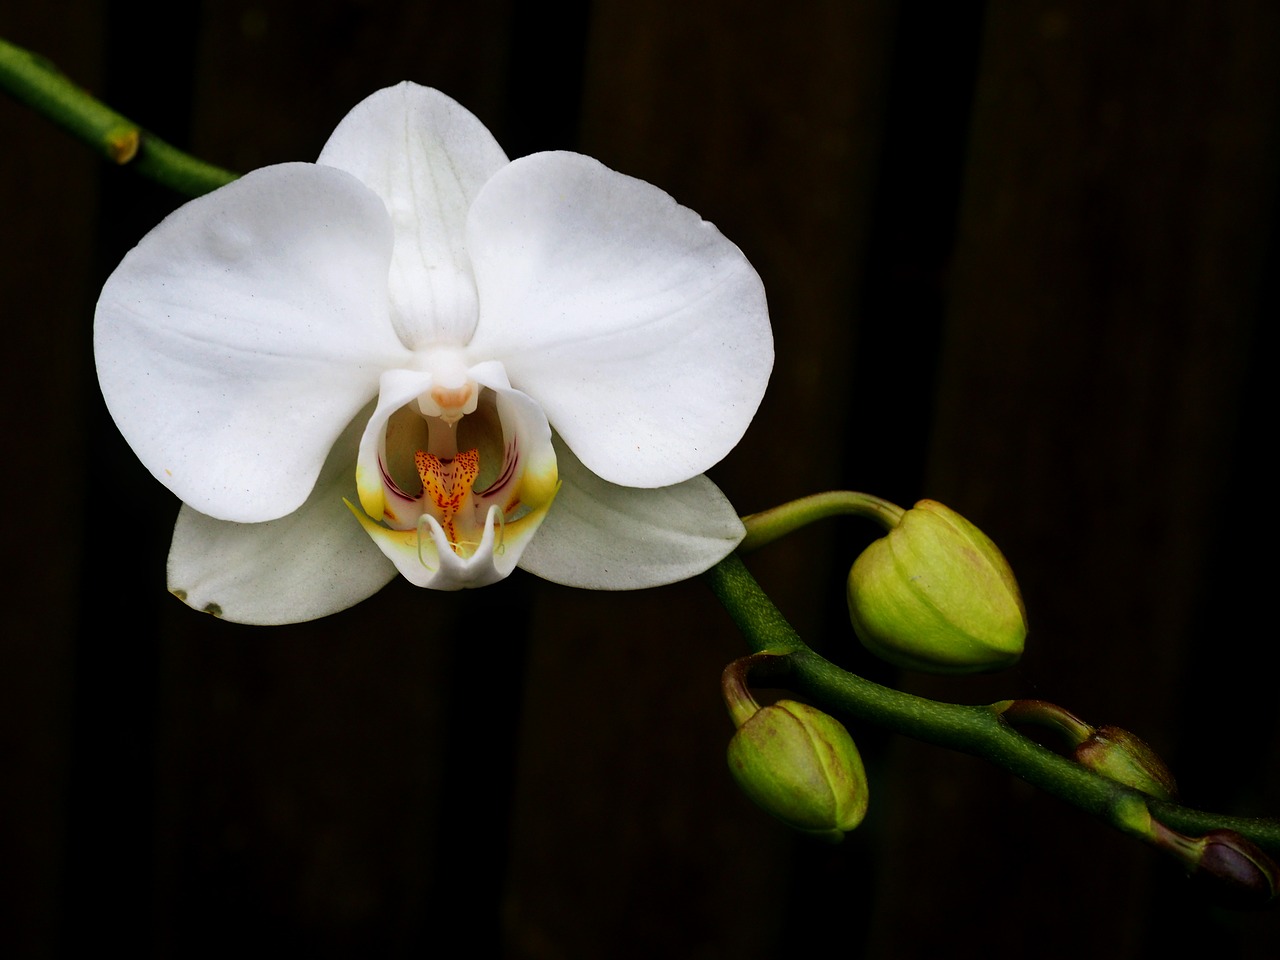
column 312, row 563
column 601, row 536
column 426, row 157
column 531, row 452
column 638, row 327
column 239, row 338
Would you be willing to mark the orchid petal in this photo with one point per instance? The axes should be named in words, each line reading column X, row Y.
column 427, row 157
column 536, row 464
column 238, row 339
column 312, row 563
column 601, row 536
column 641, row 330
column 396, row 388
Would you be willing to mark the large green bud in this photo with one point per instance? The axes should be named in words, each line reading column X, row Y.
column 801, row 766
column 935, row 594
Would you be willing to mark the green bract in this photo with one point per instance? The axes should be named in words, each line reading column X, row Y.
column 935, row 594
column 1125, row 758
column 801, row 766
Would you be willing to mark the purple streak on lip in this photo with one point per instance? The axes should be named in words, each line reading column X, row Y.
column 511, row 458
column 391, row 484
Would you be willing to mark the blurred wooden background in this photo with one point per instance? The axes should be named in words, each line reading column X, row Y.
column 1020, row 257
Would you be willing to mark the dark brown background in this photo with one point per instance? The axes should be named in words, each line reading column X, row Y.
column 1020, row 257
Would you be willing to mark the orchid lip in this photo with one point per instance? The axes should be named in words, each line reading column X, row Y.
column 457, row 487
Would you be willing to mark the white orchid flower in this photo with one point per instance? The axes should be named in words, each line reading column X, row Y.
column 461, row 350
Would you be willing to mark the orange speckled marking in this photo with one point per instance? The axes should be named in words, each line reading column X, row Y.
column 448, row 484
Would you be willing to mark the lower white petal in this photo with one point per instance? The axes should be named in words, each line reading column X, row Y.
column 309, row 564
column 601, row 536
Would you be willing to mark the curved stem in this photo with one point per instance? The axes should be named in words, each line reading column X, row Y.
column 976, row 730
column 40, row 85
column 768, row 525
column 735, row 684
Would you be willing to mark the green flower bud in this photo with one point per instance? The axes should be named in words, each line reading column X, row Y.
column 1228, row 868
column 801, row 766
column 1123, row 757
column 1232, row 870
column 935, row 594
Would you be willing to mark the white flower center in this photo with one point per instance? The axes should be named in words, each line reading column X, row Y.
column 449, row 455
column 456, row 471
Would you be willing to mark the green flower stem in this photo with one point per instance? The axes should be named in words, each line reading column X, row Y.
column 769, row 525
column 40, row 85
column 977, row 730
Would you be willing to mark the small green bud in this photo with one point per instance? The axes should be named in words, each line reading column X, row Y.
column 801, row 766
column 1226, row 867
column 935, row 594
column 1232, row 870
column 1123, row 757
